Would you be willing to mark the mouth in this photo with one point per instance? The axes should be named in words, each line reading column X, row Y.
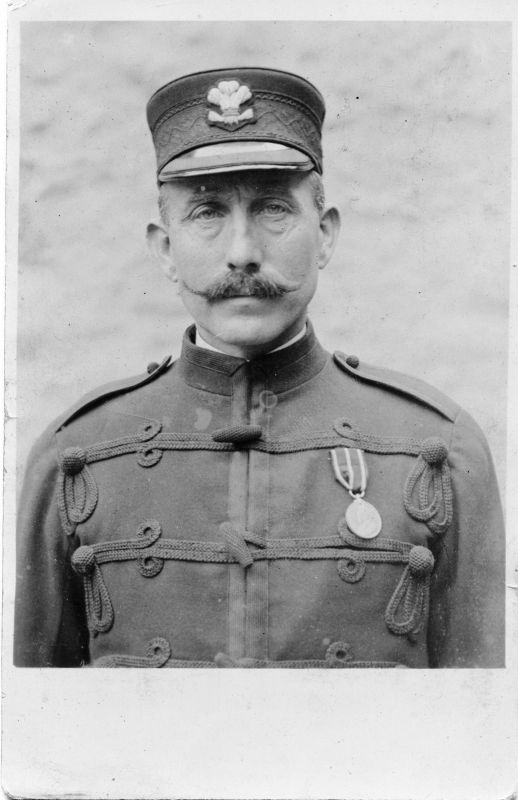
column 259, row 292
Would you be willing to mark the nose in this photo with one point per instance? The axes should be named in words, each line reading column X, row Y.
column 243, row 250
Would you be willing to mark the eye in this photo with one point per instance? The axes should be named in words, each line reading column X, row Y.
column 206, row 213
column 274, row 208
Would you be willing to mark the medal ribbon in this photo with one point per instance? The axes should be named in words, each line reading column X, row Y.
column 350, row 469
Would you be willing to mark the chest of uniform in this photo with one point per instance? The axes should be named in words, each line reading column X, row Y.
column 247, row 550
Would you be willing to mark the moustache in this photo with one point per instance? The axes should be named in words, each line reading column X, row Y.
column 241, row 284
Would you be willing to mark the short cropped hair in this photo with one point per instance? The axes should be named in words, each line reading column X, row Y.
column 317, row 188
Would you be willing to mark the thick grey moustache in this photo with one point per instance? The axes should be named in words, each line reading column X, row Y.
column 242, row 285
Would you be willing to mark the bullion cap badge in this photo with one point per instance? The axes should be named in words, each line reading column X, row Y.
column 229, row 96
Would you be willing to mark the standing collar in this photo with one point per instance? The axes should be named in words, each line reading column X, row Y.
column 200, row 341
column 280, row 370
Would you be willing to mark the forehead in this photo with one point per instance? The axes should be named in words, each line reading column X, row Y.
column 250, row 182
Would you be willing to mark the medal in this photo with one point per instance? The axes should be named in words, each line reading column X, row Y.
column 361, row 517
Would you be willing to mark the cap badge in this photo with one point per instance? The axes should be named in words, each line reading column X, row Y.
column 229, row 96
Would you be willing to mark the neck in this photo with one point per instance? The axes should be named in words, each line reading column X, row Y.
column 251, row 351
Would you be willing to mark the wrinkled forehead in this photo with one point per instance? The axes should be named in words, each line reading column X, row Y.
column 252, row 182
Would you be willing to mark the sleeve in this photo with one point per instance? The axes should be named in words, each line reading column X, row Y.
column 467, row 613
column 50, row 620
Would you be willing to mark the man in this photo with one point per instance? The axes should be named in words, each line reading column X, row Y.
column 258, row 502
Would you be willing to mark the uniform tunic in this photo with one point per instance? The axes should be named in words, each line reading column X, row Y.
column 193, row 518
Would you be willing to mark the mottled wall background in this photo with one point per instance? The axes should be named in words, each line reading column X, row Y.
column 417, row 144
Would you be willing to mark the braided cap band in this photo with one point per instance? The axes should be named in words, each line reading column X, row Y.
column 73, row 460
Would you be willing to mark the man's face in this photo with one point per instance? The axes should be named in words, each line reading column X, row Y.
column 245, row 249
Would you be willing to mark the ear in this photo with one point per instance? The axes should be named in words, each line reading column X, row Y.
column 158, row 242
column 329, row 230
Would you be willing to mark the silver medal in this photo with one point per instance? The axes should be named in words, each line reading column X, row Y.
column 363, row 519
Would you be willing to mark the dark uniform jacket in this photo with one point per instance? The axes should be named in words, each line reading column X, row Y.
column 195, row 517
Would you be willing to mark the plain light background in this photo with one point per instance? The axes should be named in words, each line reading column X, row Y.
column 417, row 144
column 417, row 158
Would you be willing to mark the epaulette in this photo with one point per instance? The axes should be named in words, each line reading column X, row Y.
column 398, row 382
column 113, row 389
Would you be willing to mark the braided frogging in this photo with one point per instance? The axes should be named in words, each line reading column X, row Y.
column 351, row 569
column 219, row 553
column 382, row 445
column 236, row 544
column 352, row 565
column 407, row 609
column 158, row 655
column 150, row 440
column 99, row 609
column 380, row 543
column 73, row 460
column 77, row 497
column 444, row 479
column 431, row 476
column 158, row 652
column 62, row 506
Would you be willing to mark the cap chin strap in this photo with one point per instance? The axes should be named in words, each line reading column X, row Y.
column 166, row 177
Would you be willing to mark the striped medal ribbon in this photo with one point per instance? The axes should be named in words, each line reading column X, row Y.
column 350, row 470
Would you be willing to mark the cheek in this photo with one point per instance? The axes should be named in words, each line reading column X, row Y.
column 194, row 260
column 298, row 251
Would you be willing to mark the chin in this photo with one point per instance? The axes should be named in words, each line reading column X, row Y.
column 248, row 329
column 249, row 334
column 247, row 338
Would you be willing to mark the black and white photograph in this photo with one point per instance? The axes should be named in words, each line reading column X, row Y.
column 259, row 299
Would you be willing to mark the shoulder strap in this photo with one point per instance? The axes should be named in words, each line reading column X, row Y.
column 397, row 381
column 110, row 390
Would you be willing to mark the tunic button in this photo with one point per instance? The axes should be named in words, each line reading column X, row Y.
column 267, row 399
column 352, row 361
column 152, row 367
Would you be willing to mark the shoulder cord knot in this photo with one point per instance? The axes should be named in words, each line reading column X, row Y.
column 431, row 475
column 73, row 460
column 99, row 609
column 407, row 609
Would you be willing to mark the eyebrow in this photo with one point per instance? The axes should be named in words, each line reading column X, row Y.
column 205, row 191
